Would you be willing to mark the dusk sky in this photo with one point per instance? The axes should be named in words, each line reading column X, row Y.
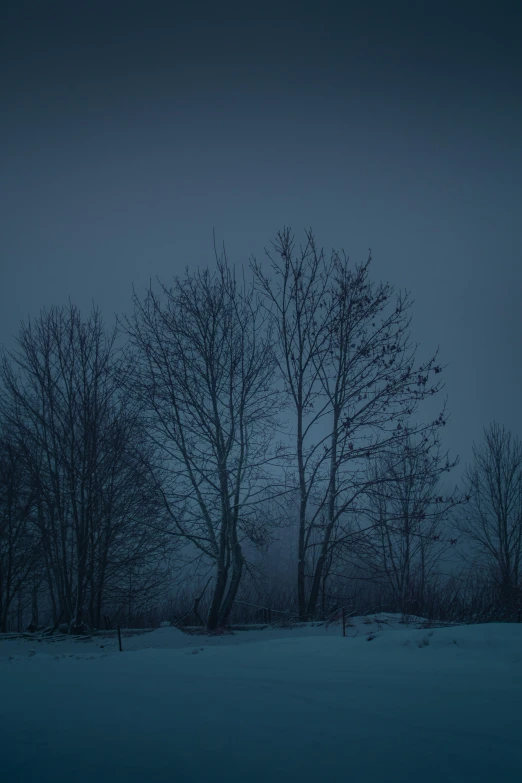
column 130, row 131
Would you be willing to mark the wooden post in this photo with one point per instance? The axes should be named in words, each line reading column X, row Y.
column 119, row 639
column 344, row 621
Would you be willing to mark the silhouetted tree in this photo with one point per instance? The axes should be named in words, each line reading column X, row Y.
column 409, row 516
column 19, row 539
column 80, row 440
column 204, row 372
column 492, row 521
column 349, row 369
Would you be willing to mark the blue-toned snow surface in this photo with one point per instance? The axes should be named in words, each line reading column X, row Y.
column 387, row 704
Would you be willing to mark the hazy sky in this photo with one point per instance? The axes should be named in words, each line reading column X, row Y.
column 130, row 130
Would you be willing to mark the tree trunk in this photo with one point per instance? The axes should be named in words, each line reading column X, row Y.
column 301, row 562
column 233, row 587
column 318, row 573
column 219, row 592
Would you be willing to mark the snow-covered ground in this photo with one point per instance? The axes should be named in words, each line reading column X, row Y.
column 267, row 706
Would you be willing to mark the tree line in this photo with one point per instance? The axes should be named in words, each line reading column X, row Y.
column 224, row 409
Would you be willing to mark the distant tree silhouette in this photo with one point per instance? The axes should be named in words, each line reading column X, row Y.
column 409, row 515
column 492, row 521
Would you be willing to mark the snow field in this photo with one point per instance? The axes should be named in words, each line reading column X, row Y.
column 268, row 706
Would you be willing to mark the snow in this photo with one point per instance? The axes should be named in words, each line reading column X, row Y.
column 266, row 706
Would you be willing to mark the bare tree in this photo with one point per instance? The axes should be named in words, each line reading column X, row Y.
column 349, row 370
column 19, row 552
column 130, row 550
column 492, row 521
column 409, row 515
column 79, row 438
column 204, row 371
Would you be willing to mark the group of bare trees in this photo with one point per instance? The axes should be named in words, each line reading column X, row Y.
column 224, row 407
column 18, row 537
column 77, row 495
